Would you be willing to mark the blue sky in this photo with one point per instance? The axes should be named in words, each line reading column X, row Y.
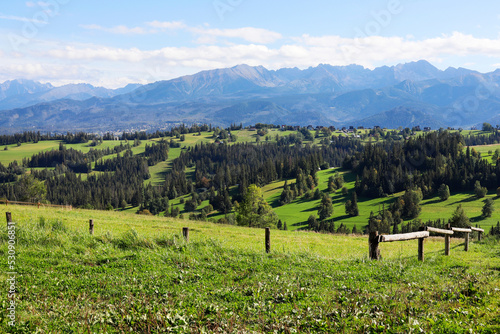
column 111, row 43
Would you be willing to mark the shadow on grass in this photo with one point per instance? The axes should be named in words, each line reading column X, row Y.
column 476, row 219
column 339, row 199
column 465, row 200
column 339, row 219
column 387, row 200
column 436, row 201
column 275, row 203
column 314, row 209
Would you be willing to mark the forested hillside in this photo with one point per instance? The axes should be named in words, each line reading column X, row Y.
column 308, row 177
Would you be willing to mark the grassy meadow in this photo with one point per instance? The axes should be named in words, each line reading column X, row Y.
column 137, row 274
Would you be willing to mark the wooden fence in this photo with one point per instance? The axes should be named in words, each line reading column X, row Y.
column 374, row 239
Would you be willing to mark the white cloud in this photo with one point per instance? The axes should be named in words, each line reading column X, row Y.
column 103, row 64
column 304, row 51
column 167, row 25
column 250, row 34
column 121, row 29
column 204, row 35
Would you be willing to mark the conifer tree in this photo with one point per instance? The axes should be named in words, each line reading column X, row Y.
column 326, row 207
column 488, row 208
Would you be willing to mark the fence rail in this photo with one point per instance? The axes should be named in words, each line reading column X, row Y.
column 374, row 239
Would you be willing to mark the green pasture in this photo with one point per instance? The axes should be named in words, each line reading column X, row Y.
column 137, row 274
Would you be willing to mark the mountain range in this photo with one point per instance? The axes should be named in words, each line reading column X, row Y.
column 406, row 95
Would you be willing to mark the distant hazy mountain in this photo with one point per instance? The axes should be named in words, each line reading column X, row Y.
column 21, row 87
column 23, row 93
column 410, row 94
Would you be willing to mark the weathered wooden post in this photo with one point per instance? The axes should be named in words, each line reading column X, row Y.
column 373, row 241
column 447, row 241
column 8, row 215
column 185, row 233
column 268, row 240
column 421, row 249
column 421, row 246
column 466, row 248
column 466, row 231
column 91, row 226
column 479, row 231
column 446, row 233
column 38, row 205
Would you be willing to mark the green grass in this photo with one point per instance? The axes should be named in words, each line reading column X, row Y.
column 484, row 149
column 26, row 150
column 137, row 274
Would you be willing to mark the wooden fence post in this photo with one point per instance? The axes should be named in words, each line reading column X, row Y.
column 373, row 246
column 185, row 233
column 447, row 241
column 91, row 226
column 268, row 240
column 466, row 248
column 8, row 215
column 421, row 247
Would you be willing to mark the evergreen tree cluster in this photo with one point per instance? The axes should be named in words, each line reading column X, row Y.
column 10, row 173
column 157, row 152
column 77, row 161
column 425, row 162
column 245, row 163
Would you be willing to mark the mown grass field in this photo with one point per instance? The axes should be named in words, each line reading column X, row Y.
column 137, row 274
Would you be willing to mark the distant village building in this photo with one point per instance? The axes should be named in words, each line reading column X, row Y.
column 427, row 128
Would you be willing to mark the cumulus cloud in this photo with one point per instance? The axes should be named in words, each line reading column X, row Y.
column 110, row 64
column 304, row 51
